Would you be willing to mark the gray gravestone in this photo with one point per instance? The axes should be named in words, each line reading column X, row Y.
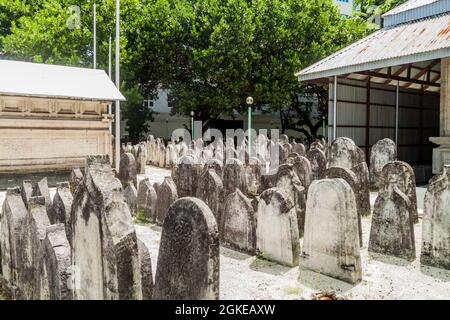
column 189, row 257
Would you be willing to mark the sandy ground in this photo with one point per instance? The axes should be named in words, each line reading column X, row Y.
column 246, row 277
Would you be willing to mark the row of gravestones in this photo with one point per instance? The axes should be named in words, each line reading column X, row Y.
column 91, row 251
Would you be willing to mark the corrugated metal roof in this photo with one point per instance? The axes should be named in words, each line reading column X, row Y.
column 415, row 10
column 422, row 40
column 411, row 4
column 51, row 81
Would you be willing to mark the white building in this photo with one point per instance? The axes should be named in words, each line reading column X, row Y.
column 346, row 6
column 52, row 117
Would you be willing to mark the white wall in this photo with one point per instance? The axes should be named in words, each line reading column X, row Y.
column 346, row 6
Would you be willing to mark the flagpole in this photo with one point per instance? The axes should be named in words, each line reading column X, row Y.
column 117, row 140
column 95, row 35
column 110, row 76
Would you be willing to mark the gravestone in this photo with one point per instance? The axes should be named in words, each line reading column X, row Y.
column 233, row 176
column 210, row 190
column 12, row 218
column 42, row 190
column 383, row 152
column 146, row 200
column 436, row 222
column 302, row 168
column 402, row 175
column 331, row 241
column 146, row 271
column 104, row 250
column 186, row 177
column 166, row 194
column 252, row 177
column 189, row 257
column 216, row 165
column 127, row 170
column 288, row 182
column 349, row 177
column 27, row 191
column 277, row 231
column 62, row 206
column 55, row 268
column 392, row 228
column 141, row 159
column 76, row 177
column 238, row 223
column 299, row 148
column 318, row 163
column 130, row 195
column 32, row 235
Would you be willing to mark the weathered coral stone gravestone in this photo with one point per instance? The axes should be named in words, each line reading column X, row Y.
column 302, row 168
column 130, row 194
column 392, row 229
column 288, row 181
column 26, row 191
column 32, row 235
column 383, row 152
column 238, row 223
column 436, row 223
column 41, row 189
column 12, row 218
column 76, row 177
column 277, row 228
column 189, row 257
column 405, row 180
column 210, row 190
column 186, row 177
column 146, row 200
column 234, row 176
column 344, row 153
column 318, row 163
column 331, row 241
column 105, row 249
column 55, row 265
column 166, row 194
column 62, row 206
column 351, row 179
column 127, row 170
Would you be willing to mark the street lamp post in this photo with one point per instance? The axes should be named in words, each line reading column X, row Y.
column 249, row 103
column 192, row 125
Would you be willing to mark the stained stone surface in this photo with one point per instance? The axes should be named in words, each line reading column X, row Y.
column 210, row 190
column 402, row 175
column 76, row 177
column 238, row 223
column 32, row 234
column 331, row 240
column 12, row 219
column 383, row 152
column 146, row 200
column 288, row 182
column 234, row 176
column 318, row 163
column 105, row 249
column 277, row 230
column 188, row 261
column 352, row 180
column 55, row 265
column 26, row 191
column 392, row 229
column 166, row 194
column 146, row 271
column 41, row 189
column 62, row 206
column 127, row 169
column 302, row 168
column 436, row 222
column 130, row 195
column 186, row 177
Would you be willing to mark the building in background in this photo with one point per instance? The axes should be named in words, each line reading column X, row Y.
column 52, row 117
column 346, row 7
column 394, row 84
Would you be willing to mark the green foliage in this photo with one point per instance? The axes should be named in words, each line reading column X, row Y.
column 211, row 54
column 140, row 218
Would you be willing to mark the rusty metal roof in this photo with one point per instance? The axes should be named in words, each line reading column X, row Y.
column 421, row 40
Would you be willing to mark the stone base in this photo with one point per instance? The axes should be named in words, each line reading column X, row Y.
column 441, row 155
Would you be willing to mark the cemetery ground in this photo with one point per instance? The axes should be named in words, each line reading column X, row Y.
column 243, row 277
